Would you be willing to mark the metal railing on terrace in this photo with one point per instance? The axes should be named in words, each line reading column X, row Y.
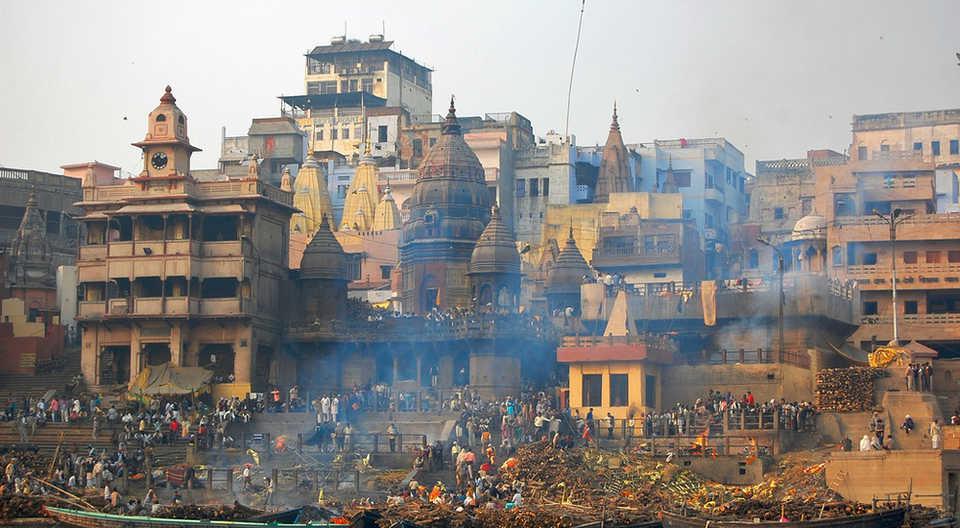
column 420, row 328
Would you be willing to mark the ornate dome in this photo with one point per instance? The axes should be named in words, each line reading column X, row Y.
column 450, row 198
column 323, row 257
column 567, row 274
column 496, row 250
column 810, row 227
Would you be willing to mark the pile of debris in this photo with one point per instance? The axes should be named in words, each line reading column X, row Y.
column 564, row 488
column 236, row 512
column 19, row 507
column 846, row 389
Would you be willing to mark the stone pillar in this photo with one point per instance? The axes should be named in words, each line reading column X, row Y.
column 90, row 354
column 176, row 345
column 136, row 353
column 243, row 352
column 419, row 370
column 396, row 367
column 445, row 371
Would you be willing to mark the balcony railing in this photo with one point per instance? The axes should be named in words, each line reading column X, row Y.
column 903, row 269
column 160, row 306
column 418, row 328
column 918, row 319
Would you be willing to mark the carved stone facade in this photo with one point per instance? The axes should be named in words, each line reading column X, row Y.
column 450, row 207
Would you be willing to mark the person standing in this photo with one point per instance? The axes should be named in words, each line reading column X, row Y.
column 611, row 421
column 936, row 431
column 909, row 377
column 268, row 491
column 392, row 437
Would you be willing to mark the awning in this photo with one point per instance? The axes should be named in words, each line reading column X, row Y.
column 174, row 207
column 167, row 380
column 222, row 209
column 850, row 352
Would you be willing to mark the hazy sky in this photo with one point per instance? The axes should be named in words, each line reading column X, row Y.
column 774, row 77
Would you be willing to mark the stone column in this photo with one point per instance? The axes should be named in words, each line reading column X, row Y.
column 176, row 345
column 136, row 352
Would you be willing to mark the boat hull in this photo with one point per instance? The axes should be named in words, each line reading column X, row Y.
column 892, row 518
column 84, row 519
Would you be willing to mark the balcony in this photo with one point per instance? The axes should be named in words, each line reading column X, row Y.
column 98, row 252
column 227, row 306
column 117, row 307
column 204, row 190
column 227, row 248
column 628, row 257
column 909, row 276
column 90, row 309
column 935, row 327
column 713, row 195
column 943, row 226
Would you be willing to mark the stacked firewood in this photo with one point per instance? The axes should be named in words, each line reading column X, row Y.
column 846, row 389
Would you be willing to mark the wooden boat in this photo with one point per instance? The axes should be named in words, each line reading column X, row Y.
column 610, row 524
column 85, row 519
column 892, row 518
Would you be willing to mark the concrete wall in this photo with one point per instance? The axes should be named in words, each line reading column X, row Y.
column 636, row 379
column 686, row 383
column 861, row 476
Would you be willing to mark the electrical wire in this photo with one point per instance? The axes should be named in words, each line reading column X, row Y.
column 576, row 48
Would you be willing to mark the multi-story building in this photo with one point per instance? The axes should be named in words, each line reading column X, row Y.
column 934, row 135
column 175, row 269
column 348, row 66
column 276, row 142
column 710, row 175
column 781, row 193
column 927, row 255
column 358, row 92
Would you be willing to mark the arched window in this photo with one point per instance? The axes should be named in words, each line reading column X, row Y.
column 180, row 120
column 161, row 118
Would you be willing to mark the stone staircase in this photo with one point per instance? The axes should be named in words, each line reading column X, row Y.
column 922, row 407
column 19, row 386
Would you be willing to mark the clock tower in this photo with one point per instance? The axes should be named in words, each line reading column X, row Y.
column 166, row 147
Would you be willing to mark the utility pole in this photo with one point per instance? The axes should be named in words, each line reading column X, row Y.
column 894, row 219
column 779, row 295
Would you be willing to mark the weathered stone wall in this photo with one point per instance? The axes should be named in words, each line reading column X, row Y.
column 861, row 476
column 686, row 383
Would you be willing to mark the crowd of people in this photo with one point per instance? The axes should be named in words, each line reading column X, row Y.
column 919, row 377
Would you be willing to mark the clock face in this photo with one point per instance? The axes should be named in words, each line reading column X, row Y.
column 159, row 160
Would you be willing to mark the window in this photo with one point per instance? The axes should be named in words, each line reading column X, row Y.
column 418, row 148
column 659, row 275
column 619, row 390
column 869, row 307
column 708, row 220
column 367, row 85
column 687, row 214
column 935, row 148
column 346, row 133
column 382, row 134
column 778, row 213
column 918, row 146
column 333, row 133
column 933, row 257
column 885, row 148
column 910, row 307
column 869, row 259
column 954, row 147
column 354, row 85
column 909, row 257
column 534, row 187
column 843, row 205
column 806, row 206
column 161, row 118
column 592, row 390
column 650, row 391
column 837, row 254
column 318, row 134
column 521, row 187
column 328, row 87
column 385, row 272
column 358, row 132
column 344, row 86
column 545, row 187
column 341, row 191
column 682, row 178
column 953, row 256
column 861, row 152
column 753, row 261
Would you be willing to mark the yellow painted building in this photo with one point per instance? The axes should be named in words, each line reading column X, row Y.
column 585, row 218
column 619, row 372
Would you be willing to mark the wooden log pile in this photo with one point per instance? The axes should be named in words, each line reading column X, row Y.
column 846, row 389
